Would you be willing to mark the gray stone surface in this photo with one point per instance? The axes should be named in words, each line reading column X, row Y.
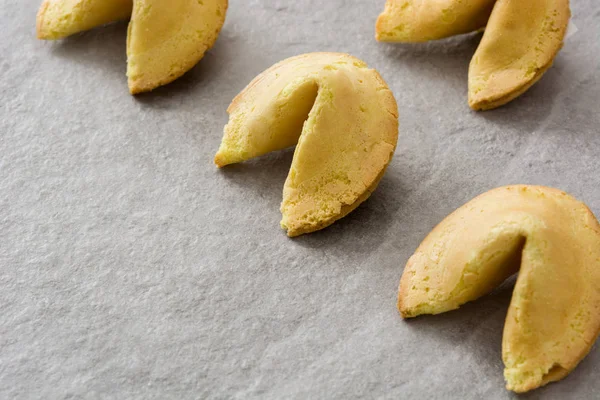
column 130, row 267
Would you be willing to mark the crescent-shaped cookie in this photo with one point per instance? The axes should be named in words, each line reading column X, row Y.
column 344, row 120
column 519, row 44
column 167, row 38
column 520, row 41
column 164, row 39
column 552, row 240
column 57, row 19
column 423, row 20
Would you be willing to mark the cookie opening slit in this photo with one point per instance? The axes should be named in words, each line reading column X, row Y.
column 555, row 373
column 294, row 110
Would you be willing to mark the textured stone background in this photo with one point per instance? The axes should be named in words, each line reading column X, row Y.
column 130, row 267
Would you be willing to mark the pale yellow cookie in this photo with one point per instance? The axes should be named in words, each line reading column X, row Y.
column 423, row 20
column 344, row 120
column 520, row 43
column 57, row 19
column 552, row 240
column 165, row 39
